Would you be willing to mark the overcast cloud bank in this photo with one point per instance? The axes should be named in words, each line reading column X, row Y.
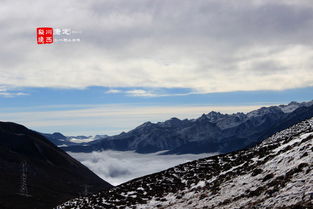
column 118, row 167
column 207, row 46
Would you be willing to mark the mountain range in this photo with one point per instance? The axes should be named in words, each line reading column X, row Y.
column 36, row 174
column 271, row 173
column 276, row 174
column 63, row 141
column 212, row 132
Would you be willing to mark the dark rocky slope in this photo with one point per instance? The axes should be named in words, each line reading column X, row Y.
column 51, row 175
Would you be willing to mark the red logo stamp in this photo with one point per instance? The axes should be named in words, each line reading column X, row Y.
column 44, row 35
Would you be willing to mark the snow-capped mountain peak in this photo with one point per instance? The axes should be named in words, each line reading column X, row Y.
column 212, row 132
column 292, row 106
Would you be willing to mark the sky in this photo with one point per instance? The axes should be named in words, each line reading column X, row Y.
column 147, row 60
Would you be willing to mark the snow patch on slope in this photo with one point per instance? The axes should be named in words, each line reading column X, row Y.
column 278, row 173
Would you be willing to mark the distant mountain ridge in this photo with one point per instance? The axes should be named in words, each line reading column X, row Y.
column 212, row 132
column 276, row 174
column 35, row 174
column 60, row 140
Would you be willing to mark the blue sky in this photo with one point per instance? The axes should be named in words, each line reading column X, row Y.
column 147, row 60
column 64, row 99
column 100, row 110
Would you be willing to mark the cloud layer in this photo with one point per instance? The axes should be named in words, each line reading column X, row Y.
column 119, row 167
column 207, row 46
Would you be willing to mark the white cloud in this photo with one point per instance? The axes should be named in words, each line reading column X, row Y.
column 207, row 46
column 4, row 92
column 134, row 92
column 113, row 91
column 147, row 93
column 140, row 93
column 119, row 167
column 12, row 94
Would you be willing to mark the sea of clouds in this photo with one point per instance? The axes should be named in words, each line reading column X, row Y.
column 117, row 167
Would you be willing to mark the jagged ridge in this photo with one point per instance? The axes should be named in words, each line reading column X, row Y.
column 213, row 132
